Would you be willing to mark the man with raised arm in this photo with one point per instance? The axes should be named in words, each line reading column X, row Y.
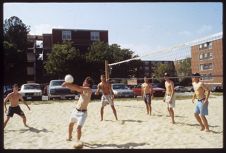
column 79, row 114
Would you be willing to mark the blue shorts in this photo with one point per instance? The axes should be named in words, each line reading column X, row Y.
column 201, row 108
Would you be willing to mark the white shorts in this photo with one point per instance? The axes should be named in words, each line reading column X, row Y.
column 78, row 117
column 107, row 99
column 170, row 105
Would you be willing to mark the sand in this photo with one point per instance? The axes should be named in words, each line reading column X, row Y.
column 135, row 129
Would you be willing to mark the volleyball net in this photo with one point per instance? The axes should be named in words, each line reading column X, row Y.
column 176, row 56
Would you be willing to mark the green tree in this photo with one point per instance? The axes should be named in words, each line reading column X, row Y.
column 14, row 46
column 160, row 69
column 183, row 68
column 100, row 51
column 15, row 32
column 62, row 60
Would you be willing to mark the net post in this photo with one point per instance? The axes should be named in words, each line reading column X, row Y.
column 106, row 70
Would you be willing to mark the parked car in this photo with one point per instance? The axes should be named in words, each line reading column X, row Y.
column 94, row 89
column 55, row 90
column 31, row 91
column 157, row 91
column 180, row 89
column 217, row 89
column 7, row 90
column 122, row 90
column 190, row 88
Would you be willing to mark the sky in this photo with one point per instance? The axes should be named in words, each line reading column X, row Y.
column 141, row 27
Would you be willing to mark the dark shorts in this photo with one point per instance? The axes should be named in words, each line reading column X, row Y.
column 16, row 110
column 147, row 98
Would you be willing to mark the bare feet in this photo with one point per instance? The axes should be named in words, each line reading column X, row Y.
column 202, row 128
column 26, row 125
column 69, row 139
column 207, row 130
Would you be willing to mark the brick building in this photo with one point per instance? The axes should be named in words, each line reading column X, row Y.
column 81, row 39
column 207, row 59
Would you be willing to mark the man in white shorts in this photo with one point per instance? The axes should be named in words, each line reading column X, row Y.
column 170, row 96
column 107, row 96
column 79, row 114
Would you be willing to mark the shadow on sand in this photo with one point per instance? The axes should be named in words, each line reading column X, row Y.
column 115, row 146
column 195, row 124
column 31, row 129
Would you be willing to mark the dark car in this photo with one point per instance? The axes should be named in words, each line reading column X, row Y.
column 217, row 89
column 55, row 90
column 180, row 89
column 94, row 96
column 7, row 91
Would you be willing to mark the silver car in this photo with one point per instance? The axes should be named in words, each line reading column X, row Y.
column 122, row 90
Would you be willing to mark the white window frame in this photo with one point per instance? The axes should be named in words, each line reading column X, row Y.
column 66, row 35
column 94, row 35
column 201, row 56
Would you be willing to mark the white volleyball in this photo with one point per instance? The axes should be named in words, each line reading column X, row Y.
column 69, row 78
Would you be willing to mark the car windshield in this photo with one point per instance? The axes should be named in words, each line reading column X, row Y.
column 120, row 86
column 57, row 83
column 33, row 86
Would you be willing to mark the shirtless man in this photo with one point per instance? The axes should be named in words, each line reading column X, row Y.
column 146, row 93
column 169, row 96
column 201, row 108
column 107, row 96
column 14, row 107
column 79, row 114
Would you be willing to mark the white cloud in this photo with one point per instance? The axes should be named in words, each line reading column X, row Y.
column 204, row 29
column 43, row 28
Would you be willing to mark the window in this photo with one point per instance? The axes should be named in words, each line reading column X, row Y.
column 146, row 68
column 30, row 57
column 66, row 35
column 30, row 71
column 201, row 56
column 207, row 76
column 95, row 36
column 210, row 45
column 208, row 66
column 210, row 55
column 207, row 45
column 205, row 56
